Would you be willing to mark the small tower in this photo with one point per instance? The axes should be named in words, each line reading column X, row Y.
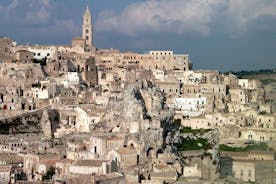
column 87, row 31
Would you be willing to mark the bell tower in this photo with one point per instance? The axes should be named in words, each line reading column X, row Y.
column 87, row 29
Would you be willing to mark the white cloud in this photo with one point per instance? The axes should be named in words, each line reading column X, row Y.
column 14, row 4
column 60, row 26
column 31, row 3
column 36, row 17
column 155, row 16
column 41, row 15
column 189, row 16
column 244, row 13
column 27, row 12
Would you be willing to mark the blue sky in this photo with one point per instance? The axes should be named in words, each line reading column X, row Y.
column 217, row 34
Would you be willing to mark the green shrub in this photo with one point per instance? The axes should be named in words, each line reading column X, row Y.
column 49, row 174
column 193, row 131
column 192, row 144
column 262, row 146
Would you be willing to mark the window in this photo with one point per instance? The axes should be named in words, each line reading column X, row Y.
column 87, row 37
column 38, row 54
column 249, row 173
column 86, row 31
column 241, row 172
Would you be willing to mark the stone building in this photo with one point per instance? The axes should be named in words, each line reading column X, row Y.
column 249, row 83
column 110, row 115
column 6, row 46
column 5, row 174
column 239, row 95
column 37, row 165
column 24, row 56
column 120, row 158
column 257, row 171
column 164, row 60
column 78, row 44
column 87, row 29
column 88, row 167
column 109, row 178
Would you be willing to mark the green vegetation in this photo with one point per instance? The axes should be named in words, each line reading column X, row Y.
column 193, row 131
column 262, row 113
column 267, row 81
column 4, row 128
column 262, row 146
column 193, row 144
column 177, row 122
column 49, row 174
column 240, row 74
column 41, row 61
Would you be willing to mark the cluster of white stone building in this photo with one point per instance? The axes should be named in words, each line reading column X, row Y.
column 104, row 116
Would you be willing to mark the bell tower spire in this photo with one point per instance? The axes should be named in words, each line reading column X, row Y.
column 87, row 28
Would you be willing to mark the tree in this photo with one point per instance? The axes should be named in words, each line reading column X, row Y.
column 49, row 174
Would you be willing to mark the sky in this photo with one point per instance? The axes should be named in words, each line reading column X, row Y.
column 217, row 34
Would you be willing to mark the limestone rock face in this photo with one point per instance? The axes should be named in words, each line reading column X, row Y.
column 26, row 123
column 49, row 122
column 46, row 124
column 139, row 113
column 20, row 73
column 132, row 109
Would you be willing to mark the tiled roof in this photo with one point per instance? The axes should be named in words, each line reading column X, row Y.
column 10, row 158
column 95, row 163
column 5, row 168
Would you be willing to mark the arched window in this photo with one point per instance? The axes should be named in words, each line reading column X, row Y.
column 103, row 76
column 86, row 31
column 87, row 37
